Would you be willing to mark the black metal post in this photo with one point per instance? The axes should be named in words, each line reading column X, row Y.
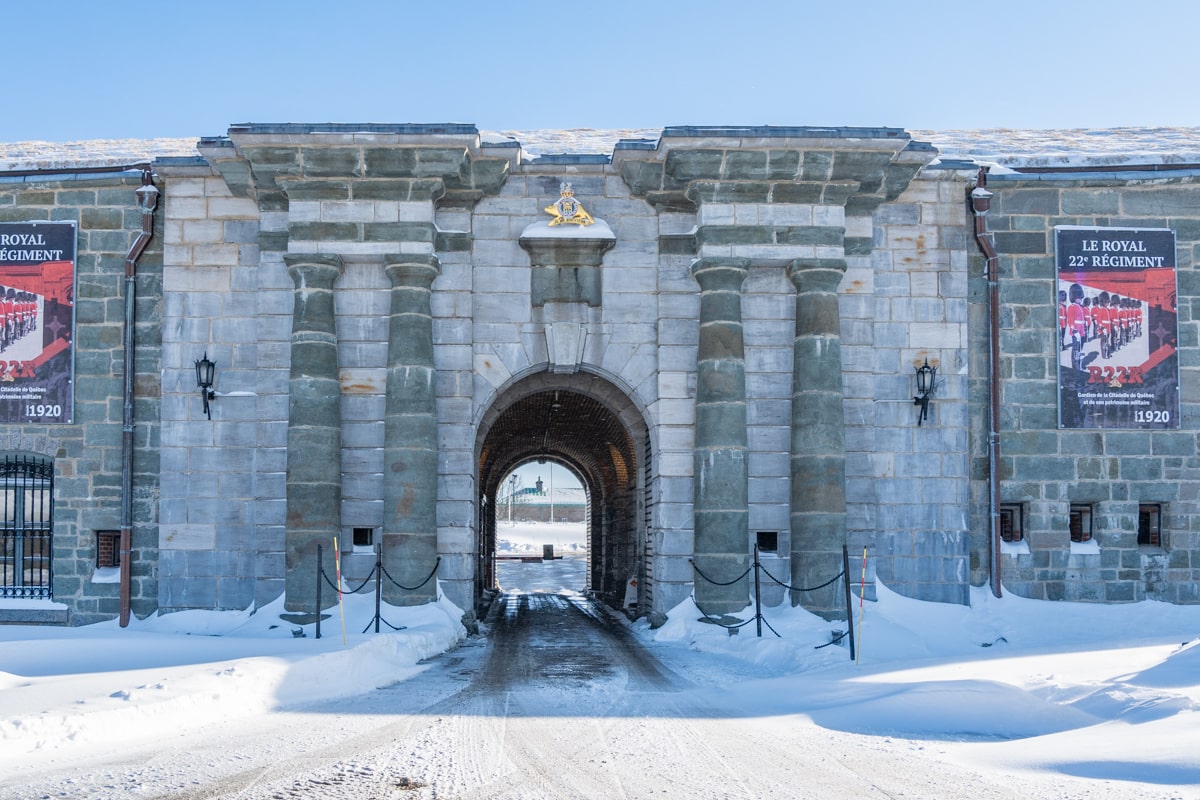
column 849, row 605
column 378, row 581
column 318, row 591
column 757, row 594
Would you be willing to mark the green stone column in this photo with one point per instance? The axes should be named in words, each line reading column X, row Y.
column 818, row 449
column 721, row 507
column 410, row 448
column 314, row 438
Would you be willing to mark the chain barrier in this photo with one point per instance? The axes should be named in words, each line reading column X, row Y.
column 355, row 590
column 758, row 617
column 411, row 588
column 717, row 620
column 719, row 583
column 374, row 575
column 789, row 587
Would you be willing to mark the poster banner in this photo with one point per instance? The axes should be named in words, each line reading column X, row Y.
column 37, row 301
column 1118, row 330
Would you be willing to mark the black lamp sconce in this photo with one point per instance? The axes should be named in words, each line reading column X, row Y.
column 926, row 383
column 206, row 372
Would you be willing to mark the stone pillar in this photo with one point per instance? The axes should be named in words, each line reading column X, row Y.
column 721, row 505
column 818, row 496
column 314, row 438
column 410, row 450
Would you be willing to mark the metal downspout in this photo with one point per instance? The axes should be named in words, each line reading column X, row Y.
column 981, row 203
column 147, row 200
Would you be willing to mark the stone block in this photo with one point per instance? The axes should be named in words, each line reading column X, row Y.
column 687, row 165
column 1162, row 202
column 1020, row 243
column 231, row 208
column 1088, row 202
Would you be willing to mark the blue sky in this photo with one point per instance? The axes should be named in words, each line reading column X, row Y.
column 91, row 69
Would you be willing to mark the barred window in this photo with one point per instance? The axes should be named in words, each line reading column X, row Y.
column 1150, row 524
column 1012, row 526
column 26, row 546
column 1081, row 523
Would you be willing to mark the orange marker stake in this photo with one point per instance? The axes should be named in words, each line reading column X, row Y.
column 862, row 590
column 337, row 568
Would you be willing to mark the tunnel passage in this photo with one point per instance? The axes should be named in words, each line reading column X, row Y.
column 590, row 426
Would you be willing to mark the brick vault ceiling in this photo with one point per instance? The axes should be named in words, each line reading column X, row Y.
column 561, row 425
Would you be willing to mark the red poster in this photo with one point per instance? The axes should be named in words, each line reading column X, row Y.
column 37, row 317
column 1118, row 330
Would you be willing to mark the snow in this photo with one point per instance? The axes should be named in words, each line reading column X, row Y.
column 517, row 538
column 1070, row 147
column 543, row 230
column 1106, row 692
column 1009, row 148
column 34, row 155
column 99, row 685
column 1047, row 691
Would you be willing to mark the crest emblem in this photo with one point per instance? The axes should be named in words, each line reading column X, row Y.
column 567, row 209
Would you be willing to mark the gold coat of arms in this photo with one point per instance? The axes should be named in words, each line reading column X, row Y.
column 567, row 209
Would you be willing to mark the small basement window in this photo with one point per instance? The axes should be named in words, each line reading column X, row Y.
column 1081, row 523
column 364, row 538
column 1011, row 522
column 108, row 549
column 1150, row 524
column 768, row 541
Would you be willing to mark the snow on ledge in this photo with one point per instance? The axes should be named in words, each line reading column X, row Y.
column 543, row 230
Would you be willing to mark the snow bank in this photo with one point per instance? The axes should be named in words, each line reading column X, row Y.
column 99, row 682
column 1108, row 692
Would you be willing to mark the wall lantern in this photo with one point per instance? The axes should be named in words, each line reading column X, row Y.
column 206, row 372
column 926, row 382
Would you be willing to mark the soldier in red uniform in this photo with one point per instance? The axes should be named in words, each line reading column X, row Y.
column 1104, row 324
column 1064, row 335
column 9, row 313
column 1076, row 323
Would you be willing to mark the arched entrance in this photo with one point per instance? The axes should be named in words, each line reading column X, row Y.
column 592, row 427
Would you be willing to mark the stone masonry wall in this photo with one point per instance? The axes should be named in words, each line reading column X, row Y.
column 220, row 539
column 1046, row 469
column 87, row 453
column 903, row 302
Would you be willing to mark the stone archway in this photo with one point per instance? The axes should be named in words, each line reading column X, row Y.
column 588, row 424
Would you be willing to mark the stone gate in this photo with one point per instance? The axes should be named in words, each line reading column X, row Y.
column 399, row 322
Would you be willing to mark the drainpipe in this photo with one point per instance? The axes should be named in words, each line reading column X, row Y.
column 981, row 202
column 147, row 197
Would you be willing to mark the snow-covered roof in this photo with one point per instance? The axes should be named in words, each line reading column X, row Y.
column 1017, row 149
column 29, row 156
column 1077, row 147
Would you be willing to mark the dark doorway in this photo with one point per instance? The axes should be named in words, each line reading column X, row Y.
column 590, row 426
